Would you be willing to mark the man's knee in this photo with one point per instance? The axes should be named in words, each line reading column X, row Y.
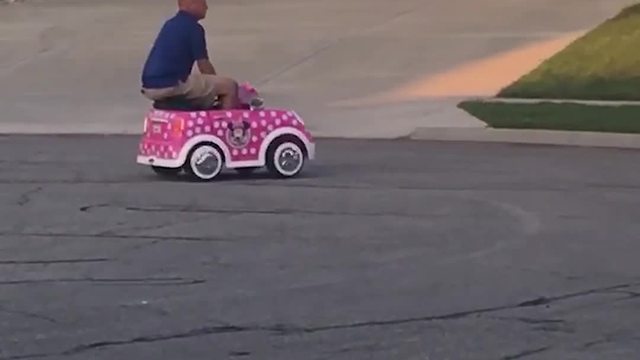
column 225, row 86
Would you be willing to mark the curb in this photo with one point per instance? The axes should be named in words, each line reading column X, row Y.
column 554, row 101
column 539, row 137
column 454, row 134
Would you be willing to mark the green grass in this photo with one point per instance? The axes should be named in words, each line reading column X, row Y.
column 554, row 116
column 604, row 64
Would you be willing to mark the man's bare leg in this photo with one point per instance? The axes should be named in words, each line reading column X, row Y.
column 203, row 89
column 227, row 90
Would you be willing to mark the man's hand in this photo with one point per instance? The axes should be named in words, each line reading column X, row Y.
column 206, row 67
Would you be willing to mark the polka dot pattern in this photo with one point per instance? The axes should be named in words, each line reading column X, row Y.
column 167, row 132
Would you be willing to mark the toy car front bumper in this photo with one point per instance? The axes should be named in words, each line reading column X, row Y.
column 311, row 150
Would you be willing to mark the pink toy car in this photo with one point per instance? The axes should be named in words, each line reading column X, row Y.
column 202, row 142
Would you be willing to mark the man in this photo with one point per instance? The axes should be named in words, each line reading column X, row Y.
column 168, row 69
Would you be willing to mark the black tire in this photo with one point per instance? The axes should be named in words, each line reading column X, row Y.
column 291, row 146
column 212, row 154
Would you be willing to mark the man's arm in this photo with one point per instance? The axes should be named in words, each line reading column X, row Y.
column 200, row 53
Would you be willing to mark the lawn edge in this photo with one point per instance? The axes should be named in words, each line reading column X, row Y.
column 528, row 136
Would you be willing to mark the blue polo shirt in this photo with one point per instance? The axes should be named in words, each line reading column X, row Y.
column 179, row 44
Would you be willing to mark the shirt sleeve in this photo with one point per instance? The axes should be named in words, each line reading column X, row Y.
column 199, row 43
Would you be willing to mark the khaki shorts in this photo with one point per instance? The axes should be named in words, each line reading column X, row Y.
column 198, row 88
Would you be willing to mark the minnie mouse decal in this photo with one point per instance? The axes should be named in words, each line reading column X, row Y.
column 238, row 133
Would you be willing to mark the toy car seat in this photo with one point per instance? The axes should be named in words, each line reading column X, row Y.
column 181, row 103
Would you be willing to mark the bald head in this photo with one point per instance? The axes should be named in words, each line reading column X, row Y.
column 197, row 8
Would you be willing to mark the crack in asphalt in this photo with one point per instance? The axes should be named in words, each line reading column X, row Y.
column 609, row 338
column 28, row 315
column 49, row 262
column 526, row 353
column 544, row 325
column 169, row 281
column 281, row 329
column 155, row 227
column 533, row 321
column 87, row 208
column 26, row 197
column 146, row 339
column 212, row 330
column 540, row 301
column 239, row 353
column 289, row 185
column 116, row 236
column 283, row 211
column 630, row 294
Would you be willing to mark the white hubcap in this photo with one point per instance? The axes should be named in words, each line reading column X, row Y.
column 288, row 158
column 206, row 162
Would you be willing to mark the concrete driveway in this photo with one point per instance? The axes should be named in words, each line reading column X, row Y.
column 362, row 68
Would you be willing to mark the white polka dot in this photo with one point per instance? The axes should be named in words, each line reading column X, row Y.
column 207, row 128
column 273, row 113
column 244, row 151
column 295, row 122
column 194, row 115
column 277, row 122
column 235, row 152
column 200, row 121
column 190, row 123
column 254, row 124
column 263, row 134
column 224, row 124
column 246, row 115
column 254, row 139
column 252, row 151
column 165, row 135
column 289, row 113
column 270, row 127
column 220, row 132
column 170, row 148
column 202, row 113
column 229, row 114
column 198, row 130
column 263, row 122
column 285, row 117
column 216, row 124
column 174, row 154
column 262, row 114
column 189, row 133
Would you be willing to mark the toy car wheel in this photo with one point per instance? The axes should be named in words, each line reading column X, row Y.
column 165, row 171
column 204, row 162
column 285, row 158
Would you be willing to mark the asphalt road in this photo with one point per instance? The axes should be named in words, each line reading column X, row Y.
column 383, row 250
